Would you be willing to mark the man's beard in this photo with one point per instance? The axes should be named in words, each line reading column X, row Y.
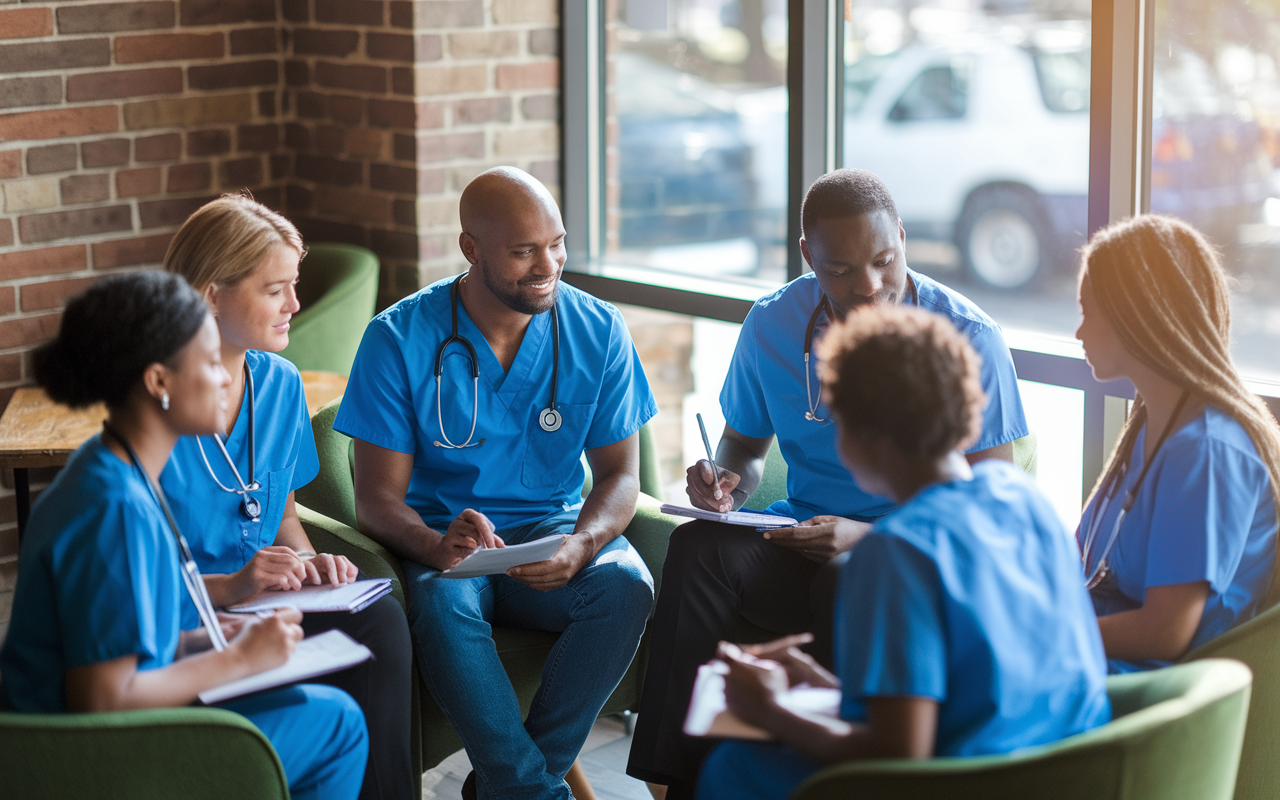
column 517, row 302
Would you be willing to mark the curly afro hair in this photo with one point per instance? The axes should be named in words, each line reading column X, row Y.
column 906, row 374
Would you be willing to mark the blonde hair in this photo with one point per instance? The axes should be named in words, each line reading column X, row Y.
column 1162, row 287
column 225, row 240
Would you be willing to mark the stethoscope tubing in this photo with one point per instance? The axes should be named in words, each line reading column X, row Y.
column 249, row 505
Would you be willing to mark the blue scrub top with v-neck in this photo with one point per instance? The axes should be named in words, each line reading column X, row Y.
column 764, row 393
column 521, row 473
column 222, row 538
column 1205, row 512
column 98, row 580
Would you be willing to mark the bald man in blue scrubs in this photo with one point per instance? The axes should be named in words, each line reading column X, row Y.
column 785, row 583
column 472, row 403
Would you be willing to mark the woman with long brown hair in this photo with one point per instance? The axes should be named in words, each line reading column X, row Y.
column 1179, row 535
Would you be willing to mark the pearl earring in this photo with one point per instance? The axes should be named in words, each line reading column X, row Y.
column 164, row 401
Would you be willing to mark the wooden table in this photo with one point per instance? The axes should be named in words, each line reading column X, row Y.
column 37, row 432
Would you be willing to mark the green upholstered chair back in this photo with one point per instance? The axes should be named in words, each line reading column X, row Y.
column 773, row 484
column 1257, row 644
column 1177, row 734
column 188, row 753
column 337, row 289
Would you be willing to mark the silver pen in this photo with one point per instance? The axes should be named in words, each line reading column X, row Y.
column 715, row 471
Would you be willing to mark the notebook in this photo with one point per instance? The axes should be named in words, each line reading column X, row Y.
column 351, row 597
column 709, row 714
column 497, row 560
column 328, row 652
column 749, row 519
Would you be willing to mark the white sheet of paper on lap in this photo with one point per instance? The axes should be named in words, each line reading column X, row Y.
column 497, row 560
column 350, row 597
column 328, row 652
column 709, row 714
column 748, row 519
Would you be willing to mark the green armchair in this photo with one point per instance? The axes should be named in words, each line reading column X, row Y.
column 326, row 507
column 1176, row 734
column 337, row 290
column 192, row 753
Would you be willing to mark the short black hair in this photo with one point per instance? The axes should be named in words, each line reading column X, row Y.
column 845, row 193
column 907, row 374
column 113, row 331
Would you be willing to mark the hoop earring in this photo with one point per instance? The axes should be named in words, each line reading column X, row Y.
column 164, row 401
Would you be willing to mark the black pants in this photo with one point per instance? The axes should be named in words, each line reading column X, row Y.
column 382, row 688
column 714, row 573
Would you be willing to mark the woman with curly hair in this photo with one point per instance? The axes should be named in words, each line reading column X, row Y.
column 951, row 605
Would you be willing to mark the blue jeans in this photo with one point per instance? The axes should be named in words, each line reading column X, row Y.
column 600, row 615
column 319, row 734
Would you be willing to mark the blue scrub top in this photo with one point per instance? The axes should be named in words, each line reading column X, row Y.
column 764, row 393
column 521, row 473
column 971, row 594
column 98, row 579
column 1204, row 513
column 222, row 538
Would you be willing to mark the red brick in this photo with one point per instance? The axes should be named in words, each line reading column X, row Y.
column 240, row 172
column 299, row 198
column 77, row 189
column 11, row 366
column 481, row 110
column 189, row 177
column 329, row 170
column 63, row 54
column 52, row 294
column 105, row 153
column 297, row 136
column 131, row 252
column 312, row 42
column 168, row 213
column 18, row 92
column 10, row 163
column 356, row 205
column 541, row 106
column 212, row 142
column 227, row 76
column 297, row 10
column 214, row 12
column 296, row 73
column 8, row 300
column 545, row 42
column 257, row 138
column 311, row 105
column 540, row 75
column 393, row 179
column 255, row 40
column 331, row 139
column 168, row 47
column 163, row 147
column 138, row 182
column 444, row 146
column 22, row 23
column 65, row 224
column 28, row 330
column 124, row 83
column 104, row 17
column 6, row 233
column 428, row 47
column 392, row 244
column 51, row 158
column 267, row 103
column 401, row 80
column 405, row 212
column 343, row 108
column 44, row 261
column 391, row 46
column 404, row 147
column 449, row 13
column 356, row 77
column 60, row 122
column 349, row 12
column 401, row 14
column 391, row 113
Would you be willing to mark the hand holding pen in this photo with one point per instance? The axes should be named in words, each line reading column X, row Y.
column 709, row 486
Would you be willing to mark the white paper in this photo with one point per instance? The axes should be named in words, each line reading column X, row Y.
column 709, row 714
column 325, row 597
column 497, row 560
column 328, row 652
column 748, row 519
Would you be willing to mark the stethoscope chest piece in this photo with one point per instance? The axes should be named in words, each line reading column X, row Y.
column 251, row 507
column 550, row 420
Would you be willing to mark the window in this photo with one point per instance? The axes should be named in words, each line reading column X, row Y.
column 938, row 92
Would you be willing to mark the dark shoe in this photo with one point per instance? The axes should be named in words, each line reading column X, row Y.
column 469, row 787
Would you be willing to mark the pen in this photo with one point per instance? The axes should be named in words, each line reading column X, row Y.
column 715, row 471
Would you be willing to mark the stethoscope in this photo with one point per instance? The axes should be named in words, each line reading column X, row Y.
column 825, row 305
column 1101, row 568
column 249, row 505
column 549, row 418
column 190, row 572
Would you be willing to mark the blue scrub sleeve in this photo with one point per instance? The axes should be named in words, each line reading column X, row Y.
column 742, row 397
column 1203, row 509
column 625, row 402
column 890, row 636
column 306, row 465
column 120, row 566
column 377, row 406
column 1003, row 418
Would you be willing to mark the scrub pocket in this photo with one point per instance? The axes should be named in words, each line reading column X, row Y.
column 551, row 457
column 273, row 495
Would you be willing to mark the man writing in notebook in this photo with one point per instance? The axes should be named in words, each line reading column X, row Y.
column 471, row 404
column 715, row 575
